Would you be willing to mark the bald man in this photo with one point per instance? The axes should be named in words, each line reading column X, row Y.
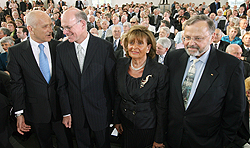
column 241, row 140
column 32, row 70
column 236, row 51
column 86, row 86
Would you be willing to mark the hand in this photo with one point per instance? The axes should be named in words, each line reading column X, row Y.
column 119, row 128
column 21, row 126
column 158, row 145
column 67, row 121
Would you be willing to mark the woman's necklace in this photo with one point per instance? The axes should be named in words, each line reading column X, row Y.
column 138, row 67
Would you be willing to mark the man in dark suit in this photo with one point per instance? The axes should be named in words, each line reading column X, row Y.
column 155, row 19
column 246, row 5
column 79, row 4
column 214, row 6
column 217, row 42
column 206, row 100
column 115, row 38
column 5, row 131
column 31, row 65
column 236, row 51
column 162, row 49
column 85, row 74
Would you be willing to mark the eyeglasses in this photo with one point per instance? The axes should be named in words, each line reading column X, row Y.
column 195, row 39
column 132, row 22
column 68, row 28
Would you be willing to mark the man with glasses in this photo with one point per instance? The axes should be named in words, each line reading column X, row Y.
column 207, row 97
column 31, row 65
column 86, row 85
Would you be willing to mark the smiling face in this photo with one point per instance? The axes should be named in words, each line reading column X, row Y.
column 74, row 29
column 197, row 38
column 137, row 48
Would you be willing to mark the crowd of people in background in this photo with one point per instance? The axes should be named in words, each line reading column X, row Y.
column 113, row 24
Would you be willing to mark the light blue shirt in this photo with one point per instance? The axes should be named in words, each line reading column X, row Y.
column 200, row 66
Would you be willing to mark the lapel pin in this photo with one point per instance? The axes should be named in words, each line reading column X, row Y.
column 212, row 74
column 143, row 82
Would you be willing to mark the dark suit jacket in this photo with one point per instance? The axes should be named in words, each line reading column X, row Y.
column 158, row 21
column 81, row 5
column 223, row 45
column 213, row 7
column 111, row 40
column 246, row 69
column 245, row 53
column 30, row 91
column 3, row 61
column 212, row 119
column 87, row 95
column 221, row 26
column 119, row 53
column 244, row 5
column 147, row 108
column 5, row 103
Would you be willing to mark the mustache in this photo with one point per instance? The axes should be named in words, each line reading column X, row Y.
column 193, row 47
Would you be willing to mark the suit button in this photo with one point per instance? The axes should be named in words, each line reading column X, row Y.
column 134, row 112
column 185, row 117
column 125, row 109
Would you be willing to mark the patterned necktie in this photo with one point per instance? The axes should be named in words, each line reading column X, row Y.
column 161, row 59
column 188, row 82
column 115, row 46
column 103, row 34
column 44, row 63
column 80, row 56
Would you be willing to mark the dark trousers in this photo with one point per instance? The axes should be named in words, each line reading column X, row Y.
column 44, row 134
column 138, row 138
column 84, row 140
column 4, row 128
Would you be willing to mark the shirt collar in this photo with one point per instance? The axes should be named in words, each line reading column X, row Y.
column 34, row 44
column 84, row 43
column 203, row 58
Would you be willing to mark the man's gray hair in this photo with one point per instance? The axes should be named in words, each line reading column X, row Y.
column 7, row 39
column 128, row 24
column 116, row 26
column 104, row 20
column 80, row 15
column 197, row 18
column 6, row 31
column 165, row 42
column 166, row 29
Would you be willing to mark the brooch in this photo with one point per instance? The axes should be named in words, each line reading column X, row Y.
column 143, row 82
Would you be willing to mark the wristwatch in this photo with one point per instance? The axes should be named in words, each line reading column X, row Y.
column 17, row 115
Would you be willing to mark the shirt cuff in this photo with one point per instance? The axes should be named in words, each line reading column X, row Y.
column 66, row 115
column 19, row 112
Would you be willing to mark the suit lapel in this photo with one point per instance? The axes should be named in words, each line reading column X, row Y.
column 178, row 77
column 73, row 56
column 123, row 74
column 91, row 50
column 28, row 56
column 53, row 57
column 207, row 78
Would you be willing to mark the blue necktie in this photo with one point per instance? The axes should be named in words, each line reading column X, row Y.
column 115, row 46
column 44, row 63
column 103, row 34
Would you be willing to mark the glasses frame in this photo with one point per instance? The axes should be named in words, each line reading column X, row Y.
column 68, row 28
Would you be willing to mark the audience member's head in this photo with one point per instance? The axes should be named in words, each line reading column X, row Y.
column 7, row 42
column 162, row 45
column 234, row 50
